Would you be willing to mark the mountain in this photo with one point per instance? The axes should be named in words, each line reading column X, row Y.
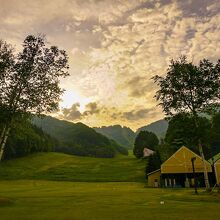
column 158, row 127
column 122, row 135
column 126, row 137
column 78, row 139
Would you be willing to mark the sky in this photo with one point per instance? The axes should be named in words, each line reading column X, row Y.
column 115, row 47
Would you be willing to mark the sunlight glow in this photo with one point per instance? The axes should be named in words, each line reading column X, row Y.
column 71, row 97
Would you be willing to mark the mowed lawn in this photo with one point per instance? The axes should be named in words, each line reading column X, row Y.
column 102, row 201
column 58, row 186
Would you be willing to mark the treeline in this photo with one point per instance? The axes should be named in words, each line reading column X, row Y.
column 25, row 139
column 50, row 134
column 180, row 132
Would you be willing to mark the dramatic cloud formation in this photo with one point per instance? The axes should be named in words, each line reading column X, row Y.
column 115, row 47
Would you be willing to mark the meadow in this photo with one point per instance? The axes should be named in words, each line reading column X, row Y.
column 58, row 186
column 64, row 167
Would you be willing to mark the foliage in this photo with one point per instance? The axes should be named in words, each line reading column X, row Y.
column 189, row 88
column 153, row 162
column 25, row 139
column 144, row 139
column 181, row 131
column 215, row 135
column 78, row 138
column 29, row 82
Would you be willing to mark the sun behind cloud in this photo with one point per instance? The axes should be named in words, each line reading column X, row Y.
column 71, row 97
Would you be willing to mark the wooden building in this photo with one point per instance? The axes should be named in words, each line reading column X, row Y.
column 177, row 171
column 153, row 178
column 217, row 171
column 216, row 160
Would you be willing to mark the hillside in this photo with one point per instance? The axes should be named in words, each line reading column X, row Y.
column 25, row 139
column 63, row 167
column 122, row 135
column 78, row 139
column 158, row 127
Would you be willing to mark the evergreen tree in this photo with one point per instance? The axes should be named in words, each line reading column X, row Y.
column 144, row 139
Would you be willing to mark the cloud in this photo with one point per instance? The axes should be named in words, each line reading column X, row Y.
column 72, row 113
column 116, row 46
column 91, row 108
column 139, row 114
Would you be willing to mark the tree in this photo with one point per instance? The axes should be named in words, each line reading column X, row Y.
column 181, row 131
column 215, row 135
column 29, row 81
column 153, row 162
column 191, row 89
column 144, row 139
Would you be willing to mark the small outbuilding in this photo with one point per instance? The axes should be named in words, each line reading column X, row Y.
column 217, row 171
column 217, row 168
column 177, row 171
column 147, row 152
column 153, row 178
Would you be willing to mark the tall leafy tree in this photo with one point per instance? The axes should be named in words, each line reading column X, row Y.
column 181, row 131
column 192, row 89
column 29, row 81
column 144, row 139
column 215, row 135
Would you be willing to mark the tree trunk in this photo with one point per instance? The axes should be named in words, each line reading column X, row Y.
column 206, row 177
column 2, row 135
column 3, row 141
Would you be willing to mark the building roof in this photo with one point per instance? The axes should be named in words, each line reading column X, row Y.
column 180, row 162
column 215, row 158
column 155, row 171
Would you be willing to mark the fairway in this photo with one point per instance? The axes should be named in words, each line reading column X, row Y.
column 97, row 201
column 59, row 186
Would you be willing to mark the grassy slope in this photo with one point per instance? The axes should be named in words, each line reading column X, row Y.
column 39, row 200
column 58, row 166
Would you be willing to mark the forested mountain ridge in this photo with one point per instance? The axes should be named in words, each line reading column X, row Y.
column 125, row 136
column 158, row 127
column 122, row 135
column 78, row 139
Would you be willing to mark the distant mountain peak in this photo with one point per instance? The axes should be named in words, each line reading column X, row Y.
column 158, row 127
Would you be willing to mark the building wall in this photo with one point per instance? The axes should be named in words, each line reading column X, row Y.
column 154, row 179
column 217, row 171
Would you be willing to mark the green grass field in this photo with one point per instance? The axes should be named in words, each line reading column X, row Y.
column 102, row 201
column 63, row 167
column 58, row 186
